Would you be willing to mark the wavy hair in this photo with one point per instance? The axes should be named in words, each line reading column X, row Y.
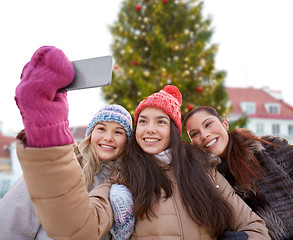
column 88, row 160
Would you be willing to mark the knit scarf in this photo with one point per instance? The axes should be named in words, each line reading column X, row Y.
column 106, row 169
column 164, row 156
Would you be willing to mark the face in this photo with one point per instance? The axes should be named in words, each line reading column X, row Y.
column 108, row 140
column 153, row 130
column 208, row 132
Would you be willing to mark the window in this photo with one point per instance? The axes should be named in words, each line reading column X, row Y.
column 290, row 130
column 5, row 165
column 248, row 107
column 4, row 186
column 259, row 128
column 273, row 108
column 276, row 129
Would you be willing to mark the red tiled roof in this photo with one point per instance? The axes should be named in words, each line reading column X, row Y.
column 5, row 141
column 259, row 97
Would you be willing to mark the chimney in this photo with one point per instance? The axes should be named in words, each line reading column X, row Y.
column 274, row 93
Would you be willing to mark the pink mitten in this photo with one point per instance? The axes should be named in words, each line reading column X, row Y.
column 44, row 110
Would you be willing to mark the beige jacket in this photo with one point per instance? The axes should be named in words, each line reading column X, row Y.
column 53, row 177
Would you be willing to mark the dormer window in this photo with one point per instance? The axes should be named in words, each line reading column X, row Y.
column 273, row 108
column 248, row 107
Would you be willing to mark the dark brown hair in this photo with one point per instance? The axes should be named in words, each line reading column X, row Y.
column 145, row 176
column 241, row 162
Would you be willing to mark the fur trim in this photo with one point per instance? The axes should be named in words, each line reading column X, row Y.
column 274, row 200
column 213, row 160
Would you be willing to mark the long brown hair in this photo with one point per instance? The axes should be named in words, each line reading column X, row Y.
column 145, row 176
column 241, row 161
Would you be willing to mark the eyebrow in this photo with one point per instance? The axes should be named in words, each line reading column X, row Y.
column 100, row 123
column 206, row 120
column 106, row 125
column 159, row 117
column 121, row 128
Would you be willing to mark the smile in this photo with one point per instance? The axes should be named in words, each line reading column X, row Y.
column 106, row 146
column 151, row 139
column 211, row 143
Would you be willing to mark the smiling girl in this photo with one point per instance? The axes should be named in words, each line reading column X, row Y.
column 98, row 154
column 260, row 169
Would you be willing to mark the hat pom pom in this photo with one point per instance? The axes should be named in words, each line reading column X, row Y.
column 174, row 91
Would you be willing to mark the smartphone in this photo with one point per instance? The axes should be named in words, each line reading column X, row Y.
column 90, row 73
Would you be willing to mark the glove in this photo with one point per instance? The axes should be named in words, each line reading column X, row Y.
column 231, row 235
column 122, row 205
column 44, row 110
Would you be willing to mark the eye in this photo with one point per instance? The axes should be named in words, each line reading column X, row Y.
column 208, row 124
column 193, row 134
column 162, row 121
column 119, row 132
column 141, row 121
column 100, row 128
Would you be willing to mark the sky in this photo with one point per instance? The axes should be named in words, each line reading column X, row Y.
column 254, row 37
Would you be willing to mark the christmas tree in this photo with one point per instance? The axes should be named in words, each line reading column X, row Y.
column 160, row 42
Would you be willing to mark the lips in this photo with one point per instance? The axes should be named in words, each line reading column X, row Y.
column 106, row 146
column 151, row 139
column 211, row 143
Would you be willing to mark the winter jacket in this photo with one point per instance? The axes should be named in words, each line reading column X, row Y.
column 66, row 212
column 274, row 200
column 18, row 218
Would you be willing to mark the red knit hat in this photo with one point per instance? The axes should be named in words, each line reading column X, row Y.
column 168, row 99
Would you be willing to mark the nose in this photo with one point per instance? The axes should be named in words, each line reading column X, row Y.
column 204, row 135
column 151, row 128
column 108, row 136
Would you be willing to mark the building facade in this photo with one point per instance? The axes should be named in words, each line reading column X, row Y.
column 10, row 169
column 267, row 113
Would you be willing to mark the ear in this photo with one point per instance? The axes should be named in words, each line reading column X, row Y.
column 226, row 124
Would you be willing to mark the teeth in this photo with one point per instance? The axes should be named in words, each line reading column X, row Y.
column 105, row 146
column 150, row 140
column 211, row 143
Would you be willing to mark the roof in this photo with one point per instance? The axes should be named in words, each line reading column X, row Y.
column 78, row 132
column 5, row 142
column 260, row 97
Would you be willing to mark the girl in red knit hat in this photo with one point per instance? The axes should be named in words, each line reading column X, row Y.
column 176, row 193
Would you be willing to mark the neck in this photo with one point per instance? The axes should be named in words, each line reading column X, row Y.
column 224, row 154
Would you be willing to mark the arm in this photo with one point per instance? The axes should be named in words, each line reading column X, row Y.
column 51, row 171
column 244, row 218
column 54, row 181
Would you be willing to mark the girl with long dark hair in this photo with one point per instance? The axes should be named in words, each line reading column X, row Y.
column 260, row 169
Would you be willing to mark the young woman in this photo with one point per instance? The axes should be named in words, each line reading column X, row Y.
column 259, row 169
column 175, row 195
column 98, row 154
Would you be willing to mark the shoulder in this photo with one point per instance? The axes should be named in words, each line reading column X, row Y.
column 277, row 145
column 276, row 140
